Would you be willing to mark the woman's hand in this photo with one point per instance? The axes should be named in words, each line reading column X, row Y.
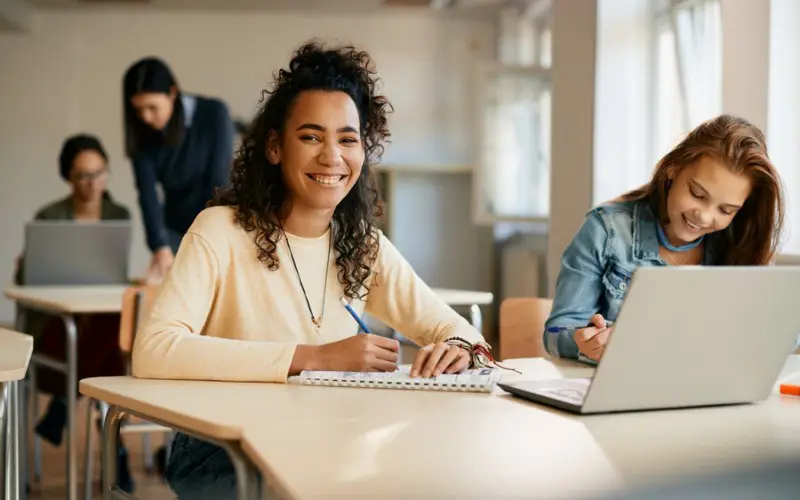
column 592, row 340
column 359, row 353
column 159, row 265
column 435, row 359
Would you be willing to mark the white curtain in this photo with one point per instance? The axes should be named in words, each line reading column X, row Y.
column 698, row 38
column 783, row 127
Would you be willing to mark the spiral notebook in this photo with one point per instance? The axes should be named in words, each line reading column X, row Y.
column 478, row 380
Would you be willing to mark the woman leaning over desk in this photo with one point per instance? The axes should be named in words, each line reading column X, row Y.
column 254, row 294
column 184, row 142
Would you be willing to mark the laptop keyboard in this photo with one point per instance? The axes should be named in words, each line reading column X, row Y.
column 571, row 391
column 573, row 395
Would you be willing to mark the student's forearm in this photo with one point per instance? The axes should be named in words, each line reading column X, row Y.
column 153, row 218
column 172, row 354
column 560, row 343
column 150, row 205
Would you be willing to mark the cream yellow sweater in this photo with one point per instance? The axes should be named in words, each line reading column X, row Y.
column 222, row 315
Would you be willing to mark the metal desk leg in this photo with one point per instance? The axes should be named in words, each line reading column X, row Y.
column 22, row 426
column 33, row 412
column 3, row 449
column 248, row 478
column 27, row 402
column 109, row 452
column 16, row 409
column 476, row 317
column 72, row 385
column 11, row 441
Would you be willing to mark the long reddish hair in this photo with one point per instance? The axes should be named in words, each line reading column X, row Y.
column 754, row 234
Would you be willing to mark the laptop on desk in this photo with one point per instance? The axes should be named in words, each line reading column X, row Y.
column 61, row 253
column 687, row 337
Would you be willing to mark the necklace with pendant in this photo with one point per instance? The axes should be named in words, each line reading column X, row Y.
column 318, row 319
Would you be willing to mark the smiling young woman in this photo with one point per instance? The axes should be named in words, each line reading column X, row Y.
column 254, row 294
column 715, row 199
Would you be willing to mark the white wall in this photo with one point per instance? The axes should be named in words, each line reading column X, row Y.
column 64, row 76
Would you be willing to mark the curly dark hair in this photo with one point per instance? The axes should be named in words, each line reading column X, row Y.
column 257, row 191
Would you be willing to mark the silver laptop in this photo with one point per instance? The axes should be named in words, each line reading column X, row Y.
column 687, row 337
column 77, row 253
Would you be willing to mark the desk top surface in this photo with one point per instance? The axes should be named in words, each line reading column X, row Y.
column 108, row 299
column 69, row 299
column 464, row 297
column 15, row 354
column 465, row 445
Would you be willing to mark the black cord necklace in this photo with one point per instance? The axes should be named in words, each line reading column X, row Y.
column 318, row 320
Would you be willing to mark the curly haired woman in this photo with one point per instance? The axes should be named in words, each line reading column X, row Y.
column 255, row 290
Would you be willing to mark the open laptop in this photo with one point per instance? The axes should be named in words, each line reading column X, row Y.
column 687, row 337
column 77, row 253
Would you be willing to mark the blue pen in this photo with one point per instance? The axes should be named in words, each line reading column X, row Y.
column 352, row 312
column 556, row 329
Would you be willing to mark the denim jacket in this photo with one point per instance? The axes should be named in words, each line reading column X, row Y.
column 597, row 266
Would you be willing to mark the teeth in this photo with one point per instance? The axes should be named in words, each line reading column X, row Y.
column 327, row 179
column 693, row 226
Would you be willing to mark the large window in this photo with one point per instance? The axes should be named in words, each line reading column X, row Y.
column 659, row 74
column 783, row 128
column 668, row 122
column 513, row 164
column 687, row 69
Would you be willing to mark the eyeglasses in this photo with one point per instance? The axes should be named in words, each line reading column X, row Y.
column 89, row 176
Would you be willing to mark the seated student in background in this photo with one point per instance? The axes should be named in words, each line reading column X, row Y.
column 83, row 165
column 715, row 199
column 254, row 293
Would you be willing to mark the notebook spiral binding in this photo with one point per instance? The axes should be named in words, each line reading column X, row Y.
column 478, row 380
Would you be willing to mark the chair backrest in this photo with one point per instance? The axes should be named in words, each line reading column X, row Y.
column 136, row 304
column 522, row 326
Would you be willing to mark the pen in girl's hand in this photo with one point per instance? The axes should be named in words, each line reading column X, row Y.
column 554, row 329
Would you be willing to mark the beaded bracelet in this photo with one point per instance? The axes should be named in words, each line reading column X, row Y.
column 480, row 353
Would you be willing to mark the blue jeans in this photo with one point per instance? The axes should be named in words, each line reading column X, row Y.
column 200, row 470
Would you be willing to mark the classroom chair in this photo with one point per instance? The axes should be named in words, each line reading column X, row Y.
column 522, row 326
column 136, row 303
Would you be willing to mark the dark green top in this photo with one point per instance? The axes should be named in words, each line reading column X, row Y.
column 64, row 209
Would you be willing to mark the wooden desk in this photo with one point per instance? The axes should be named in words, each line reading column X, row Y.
column 68, row 299
column 15, row 354
column 373, row 443
column 64, row 302
column 392, row 445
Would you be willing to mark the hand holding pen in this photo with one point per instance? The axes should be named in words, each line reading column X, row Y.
column 592, row 340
